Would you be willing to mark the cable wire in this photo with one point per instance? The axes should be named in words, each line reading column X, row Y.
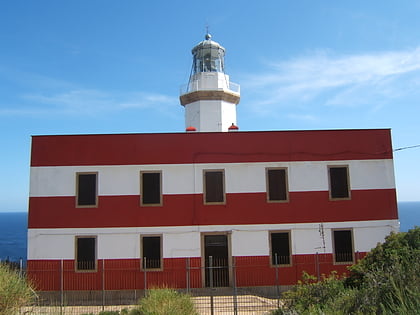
column 410, row 147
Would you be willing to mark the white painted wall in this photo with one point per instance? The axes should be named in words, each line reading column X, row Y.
column 209, row 81
column 188, row 178
column 250, row 243
column 210, row 115
column 185, row 241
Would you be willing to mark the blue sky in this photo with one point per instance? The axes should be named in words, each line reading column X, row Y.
column 100, row 66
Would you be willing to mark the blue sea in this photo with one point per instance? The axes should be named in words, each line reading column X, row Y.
column 13, row 229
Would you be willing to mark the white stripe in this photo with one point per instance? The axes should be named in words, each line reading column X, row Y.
column 188, row 178
column 185, row 241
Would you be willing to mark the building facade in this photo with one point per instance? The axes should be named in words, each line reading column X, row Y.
column 259, row 207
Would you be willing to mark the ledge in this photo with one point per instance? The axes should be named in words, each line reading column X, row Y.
column 222, row 95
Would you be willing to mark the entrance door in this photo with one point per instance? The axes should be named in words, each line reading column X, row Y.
column 216, row 247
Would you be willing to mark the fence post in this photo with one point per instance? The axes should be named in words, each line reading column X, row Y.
column 145, row 275
column 20, row 267
column 276, row 261
column 61, row 286
column 317, row 266
column 235, row 289
column 103, row 284
column 211, row 284
column 188, row 274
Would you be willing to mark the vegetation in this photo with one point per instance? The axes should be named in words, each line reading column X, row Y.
column 167, row 302
column 15, row 292
column 124, row 311
column 384, row 282
column 159, row 302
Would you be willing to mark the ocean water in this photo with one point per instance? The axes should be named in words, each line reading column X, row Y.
column 13, row 229
column 409, row 214
column 13, row 235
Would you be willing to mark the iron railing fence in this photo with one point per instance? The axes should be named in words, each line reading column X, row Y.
column 220, row 286
column 195, row 86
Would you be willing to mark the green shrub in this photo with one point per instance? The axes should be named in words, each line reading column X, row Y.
column 390, row 273
column 384, row 282
column 166, row 302
column 14, row 291
column 311, row 297
column 134, row 311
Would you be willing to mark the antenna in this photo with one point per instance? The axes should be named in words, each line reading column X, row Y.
column 208, row 36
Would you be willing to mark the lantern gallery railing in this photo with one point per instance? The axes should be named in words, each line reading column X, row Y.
column 195, row 86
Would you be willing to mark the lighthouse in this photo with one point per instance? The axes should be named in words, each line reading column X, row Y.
column 210, row 98
column 210, row 207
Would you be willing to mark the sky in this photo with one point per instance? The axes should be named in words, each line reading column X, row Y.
column 102, row 66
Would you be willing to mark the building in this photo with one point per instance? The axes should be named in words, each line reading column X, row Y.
column 126, row 211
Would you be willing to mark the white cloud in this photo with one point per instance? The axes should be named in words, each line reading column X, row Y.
column 336, row 80
column 37, row 94
column 87, row 101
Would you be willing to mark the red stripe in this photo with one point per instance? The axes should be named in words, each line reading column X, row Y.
column 125, row 274
column 215, row 147
column 187, row 210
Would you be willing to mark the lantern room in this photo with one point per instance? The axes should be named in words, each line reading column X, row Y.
column 208, row 56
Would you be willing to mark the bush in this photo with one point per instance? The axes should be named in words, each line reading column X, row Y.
column 390, row 273
column 14, row 291
column 384, row 282
column 311, row 297
column 166, row 302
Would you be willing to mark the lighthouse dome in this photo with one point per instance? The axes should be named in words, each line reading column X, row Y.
column 208, row 56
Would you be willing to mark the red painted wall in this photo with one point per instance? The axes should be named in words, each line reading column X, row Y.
column 186, row 210
column 51, row 275
column 182, row 210
column 214, row 147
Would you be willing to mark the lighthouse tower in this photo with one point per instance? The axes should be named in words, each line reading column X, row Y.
column 209, row 97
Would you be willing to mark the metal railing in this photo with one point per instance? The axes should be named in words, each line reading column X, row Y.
column 194, row 86
column 235, row 285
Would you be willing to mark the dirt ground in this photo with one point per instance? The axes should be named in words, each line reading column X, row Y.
column 245, row 304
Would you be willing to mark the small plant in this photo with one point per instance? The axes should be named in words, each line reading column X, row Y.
column 15, row 292
column 166, row 302
column 124, row 311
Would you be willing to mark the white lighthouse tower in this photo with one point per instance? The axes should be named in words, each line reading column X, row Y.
column 210, row 98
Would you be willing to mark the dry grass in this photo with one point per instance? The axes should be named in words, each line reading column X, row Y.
column 246, row 305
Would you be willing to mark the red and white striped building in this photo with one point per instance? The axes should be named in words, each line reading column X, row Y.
column 285, row 201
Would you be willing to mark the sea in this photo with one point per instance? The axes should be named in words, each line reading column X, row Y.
column 14, row 227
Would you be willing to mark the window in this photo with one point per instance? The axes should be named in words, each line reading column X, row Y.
column 276, row 184
column 339, row 182
column 85, row 253
column 280, row 248
column 86, row 188
column 151, row 252
column 151, row 188
column 214, row 188
column 343, row 246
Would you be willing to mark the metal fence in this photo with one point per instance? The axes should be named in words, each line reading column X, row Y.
column 218, row 287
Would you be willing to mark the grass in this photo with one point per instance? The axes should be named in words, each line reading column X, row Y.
column 15, row 292
column 166, row 301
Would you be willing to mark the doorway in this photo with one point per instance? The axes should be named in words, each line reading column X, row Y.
column 216, row 253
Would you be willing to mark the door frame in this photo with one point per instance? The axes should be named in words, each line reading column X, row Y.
column 203, row 252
